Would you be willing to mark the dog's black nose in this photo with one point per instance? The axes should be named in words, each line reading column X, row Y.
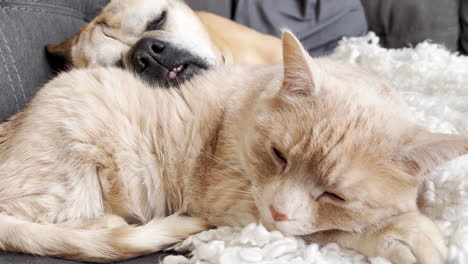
column 164, row 63
column 146, row 52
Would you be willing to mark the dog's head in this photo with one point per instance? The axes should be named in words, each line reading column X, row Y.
column 163, row 41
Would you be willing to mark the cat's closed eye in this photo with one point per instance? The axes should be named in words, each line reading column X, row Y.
column 332, row 196
column 280, row 157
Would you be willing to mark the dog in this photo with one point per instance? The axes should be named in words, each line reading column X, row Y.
column 163, row 41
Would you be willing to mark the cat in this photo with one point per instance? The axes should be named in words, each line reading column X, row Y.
column 102, row 167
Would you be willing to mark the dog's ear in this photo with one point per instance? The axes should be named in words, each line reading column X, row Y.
column 59, row 56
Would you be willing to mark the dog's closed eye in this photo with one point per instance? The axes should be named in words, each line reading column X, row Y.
column 158, row 23
column 114, row 34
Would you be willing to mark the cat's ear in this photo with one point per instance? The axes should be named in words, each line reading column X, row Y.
column 430, row 150
column 300, row 73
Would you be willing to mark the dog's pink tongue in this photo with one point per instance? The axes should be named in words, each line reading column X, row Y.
column 172, row 75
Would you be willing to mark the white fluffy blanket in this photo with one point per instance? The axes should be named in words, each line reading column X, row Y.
column 435, row 84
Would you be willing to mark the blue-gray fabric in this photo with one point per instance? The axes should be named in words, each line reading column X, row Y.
column 320, row 24
column 401, row 23
column 220, row 7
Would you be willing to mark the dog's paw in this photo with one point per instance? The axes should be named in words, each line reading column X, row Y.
column 409, row 238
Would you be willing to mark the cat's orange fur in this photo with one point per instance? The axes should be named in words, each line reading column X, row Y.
column 327, row 146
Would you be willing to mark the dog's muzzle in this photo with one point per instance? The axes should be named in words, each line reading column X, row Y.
column 162, row 63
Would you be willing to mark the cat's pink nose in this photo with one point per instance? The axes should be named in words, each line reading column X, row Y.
column 277, row 216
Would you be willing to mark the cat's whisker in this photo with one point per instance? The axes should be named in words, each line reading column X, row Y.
column 240, row 182
column 234, row 190
column 237, row 183
column 184, row 99
column 220, row 161
column 239, row 201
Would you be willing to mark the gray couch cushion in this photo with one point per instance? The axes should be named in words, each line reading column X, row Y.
column 319, row 24
column 8, row 258
column 26, row 26
column 401, row 23
column 220, row 7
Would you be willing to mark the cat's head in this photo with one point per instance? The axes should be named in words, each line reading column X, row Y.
column 325, row 154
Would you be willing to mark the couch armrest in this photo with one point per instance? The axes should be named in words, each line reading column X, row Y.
column 26, row 26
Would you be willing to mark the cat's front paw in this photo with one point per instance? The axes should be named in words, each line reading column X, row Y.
column 404, row 239
column 409, row 238
column 396, row 251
